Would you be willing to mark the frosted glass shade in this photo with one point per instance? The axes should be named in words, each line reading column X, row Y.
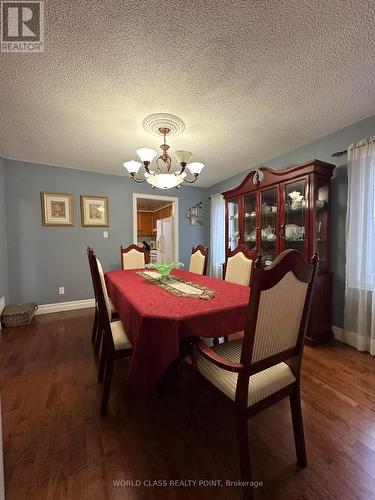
column 183, row 156
column 196, row 167
column 132, row 166
column 165, row 181
column 146, row 154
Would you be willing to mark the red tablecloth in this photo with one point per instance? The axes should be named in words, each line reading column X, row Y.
column 155, row 320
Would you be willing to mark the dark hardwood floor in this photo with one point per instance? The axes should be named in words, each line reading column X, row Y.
column 57, row 447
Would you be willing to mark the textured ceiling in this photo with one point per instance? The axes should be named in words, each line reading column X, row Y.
column 251, row 79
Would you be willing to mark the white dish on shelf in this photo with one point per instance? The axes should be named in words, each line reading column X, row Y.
column 294, row 232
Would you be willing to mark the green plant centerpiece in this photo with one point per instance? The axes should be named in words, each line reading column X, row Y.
column 165, row 269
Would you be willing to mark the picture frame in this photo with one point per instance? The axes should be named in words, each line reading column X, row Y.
column 57, row 209
column 94, row 211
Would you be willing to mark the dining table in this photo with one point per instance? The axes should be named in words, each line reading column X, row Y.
column 157, row 321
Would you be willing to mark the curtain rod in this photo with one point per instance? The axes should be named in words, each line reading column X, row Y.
column 340, row 153
column 345, row 152
column 212, row 195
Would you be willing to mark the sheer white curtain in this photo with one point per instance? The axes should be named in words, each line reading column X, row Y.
column 359, row 323
column 217, row 235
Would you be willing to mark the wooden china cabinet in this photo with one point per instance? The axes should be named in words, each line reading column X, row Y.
column 273, row 210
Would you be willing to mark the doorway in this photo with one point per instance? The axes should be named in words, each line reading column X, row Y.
column 148, row 212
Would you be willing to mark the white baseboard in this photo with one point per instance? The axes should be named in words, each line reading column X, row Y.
column 344, row 336
column 338, row 332
column 352, row 338
column 65, row 306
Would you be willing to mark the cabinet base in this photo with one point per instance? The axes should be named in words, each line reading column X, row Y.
column 318, row 340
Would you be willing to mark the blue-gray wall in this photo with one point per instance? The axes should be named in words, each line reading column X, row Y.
column 3, row 237
column 322, row 150
column 43, row 258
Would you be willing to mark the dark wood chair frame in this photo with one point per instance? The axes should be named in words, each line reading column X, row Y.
column 97, row 329
column 264, row 278
column 108, row 352
column 124, row 250
column 204, row 251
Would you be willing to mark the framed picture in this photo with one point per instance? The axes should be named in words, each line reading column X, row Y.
column 57, row 209
column 94, row 211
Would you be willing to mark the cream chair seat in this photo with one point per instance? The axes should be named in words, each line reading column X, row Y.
column 120, row 339
column 261, row 385
column 238, row 269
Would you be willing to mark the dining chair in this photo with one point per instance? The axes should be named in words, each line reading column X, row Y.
column 198, row 260
column 97, row 330
column 134, row 257
column 239, row 264
column 264, row 367
column 115, row 341
column 238, row 270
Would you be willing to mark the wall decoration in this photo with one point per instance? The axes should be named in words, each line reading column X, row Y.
column 57, row 209
column 94, row 211
column 194, row 216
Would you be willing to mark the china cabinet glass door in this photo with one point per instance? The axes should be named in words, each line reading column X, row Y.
column 294, row 216
column 321, row 221
column 268, row 227
column 250, row 221
column 233, row 224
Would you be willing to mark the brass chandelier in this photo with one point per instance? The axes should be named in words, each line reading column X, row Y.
column 163, row 175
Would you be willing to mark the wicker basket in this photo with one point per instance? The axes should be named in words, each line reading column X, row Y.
column 18, row 314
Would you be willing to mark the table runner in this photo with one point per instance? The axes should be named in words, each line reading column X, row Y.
column 178, row 286
column 156, row 321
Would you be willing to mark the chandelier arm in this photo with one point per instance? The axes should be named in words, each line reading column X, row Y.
column 146, row 164
column 191, row 182
column 183, row 166
column 137, row 180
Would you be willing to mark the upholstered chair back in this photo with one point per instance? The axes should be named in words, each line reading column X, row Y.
column 238, row 269
column 279, row 317
column 198, row 260
column 133, row 258
column 104, row 288
column 279, row 306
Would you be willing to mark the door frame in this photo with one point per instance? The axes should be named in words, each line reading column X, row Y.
column 174, row 201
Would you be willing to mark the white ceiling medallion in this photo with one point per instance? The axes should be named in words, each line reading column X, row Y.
column 153, row 123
